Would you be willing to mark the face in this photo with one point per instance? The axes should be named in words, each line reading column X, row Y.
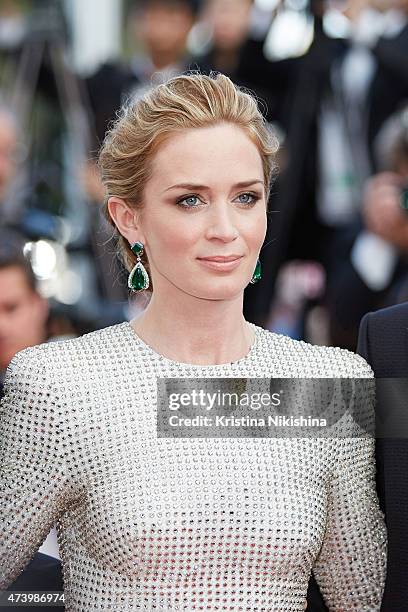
column 230, row 22
column 205, row 198
column 164, row 29
column 23, row 315
column 8, row 146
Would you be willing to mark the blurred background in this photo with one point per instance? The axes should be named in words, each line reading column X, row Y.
column 332, row 81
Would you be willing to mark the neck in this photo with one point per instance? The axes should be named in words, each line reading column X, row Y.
column 197, row 331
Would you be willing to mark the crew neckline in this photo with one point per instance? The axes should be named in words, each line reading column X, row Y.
column 252, row 350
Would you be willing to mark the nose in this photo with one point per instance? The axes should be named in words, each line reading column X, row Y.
column 221, row 223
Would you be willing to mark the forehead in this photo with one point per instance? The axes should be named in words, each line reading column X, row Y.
column 222, row 152
column 13, row 284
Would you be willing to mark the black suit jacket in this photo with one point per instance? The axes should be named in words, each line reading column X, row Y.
column 383, row 341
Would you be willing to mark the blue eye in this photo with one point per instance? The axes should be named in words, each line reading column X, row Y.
column 193, row 201
column 190, row 202
column 252, row 196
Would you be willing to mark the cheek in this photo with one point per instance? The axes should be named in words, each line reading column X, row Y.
column 31, row 316
column 23, row 320
column 254, row 228
column 20, row 324
column 173, row 235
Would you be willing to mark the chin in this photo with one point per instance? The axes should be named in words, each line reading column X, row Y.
column 224, row 291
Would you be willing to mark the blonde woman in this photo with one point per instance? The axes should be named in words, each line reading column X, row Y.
column 151, row 523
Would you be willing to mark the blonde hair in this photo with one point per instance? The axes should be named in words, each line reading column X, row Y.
column 188, row 101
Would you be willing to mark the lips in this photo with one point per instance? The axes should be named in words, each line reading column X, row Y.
column 221, row 259
column 221, row 264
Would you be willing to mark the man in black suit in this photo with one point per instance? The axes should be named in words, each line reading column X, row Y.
column 383, row 342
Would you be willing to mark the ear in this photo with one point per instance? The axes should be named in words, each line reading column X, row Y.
column 126, row 219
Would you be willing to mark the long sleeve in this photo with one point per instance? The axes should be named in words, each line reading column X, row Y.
column 351, row 567
column 35, row 487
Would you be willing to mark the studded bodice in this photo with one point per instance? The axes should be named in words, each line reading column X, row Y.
column 150, row 523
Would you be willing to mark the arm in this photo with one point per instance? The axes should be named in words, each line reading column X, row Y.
column 351, row 566
column 34, row 485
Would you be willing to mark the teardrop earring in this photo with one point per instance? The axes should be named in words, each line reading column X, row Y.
column 257, row 275
column 138, row 279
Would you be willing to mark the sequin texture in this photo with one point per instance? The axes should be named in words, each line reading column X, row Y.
column 148, row 523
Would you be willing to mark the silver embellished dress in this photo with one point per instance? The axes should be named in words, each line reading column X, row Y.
column 150, row 523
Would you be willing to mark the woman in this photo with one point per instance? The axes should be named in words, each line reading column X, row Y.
column 154, row 523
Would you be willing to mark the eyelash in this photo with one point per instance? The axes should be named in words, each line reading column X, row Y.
column 254, row 197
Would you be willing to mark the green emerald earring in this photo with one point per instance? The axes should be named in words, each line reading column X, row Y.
column 138, row 279
column 257, row 275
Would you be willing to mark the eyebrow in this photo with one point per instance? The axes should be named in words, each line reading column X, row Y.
column 192, row 186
